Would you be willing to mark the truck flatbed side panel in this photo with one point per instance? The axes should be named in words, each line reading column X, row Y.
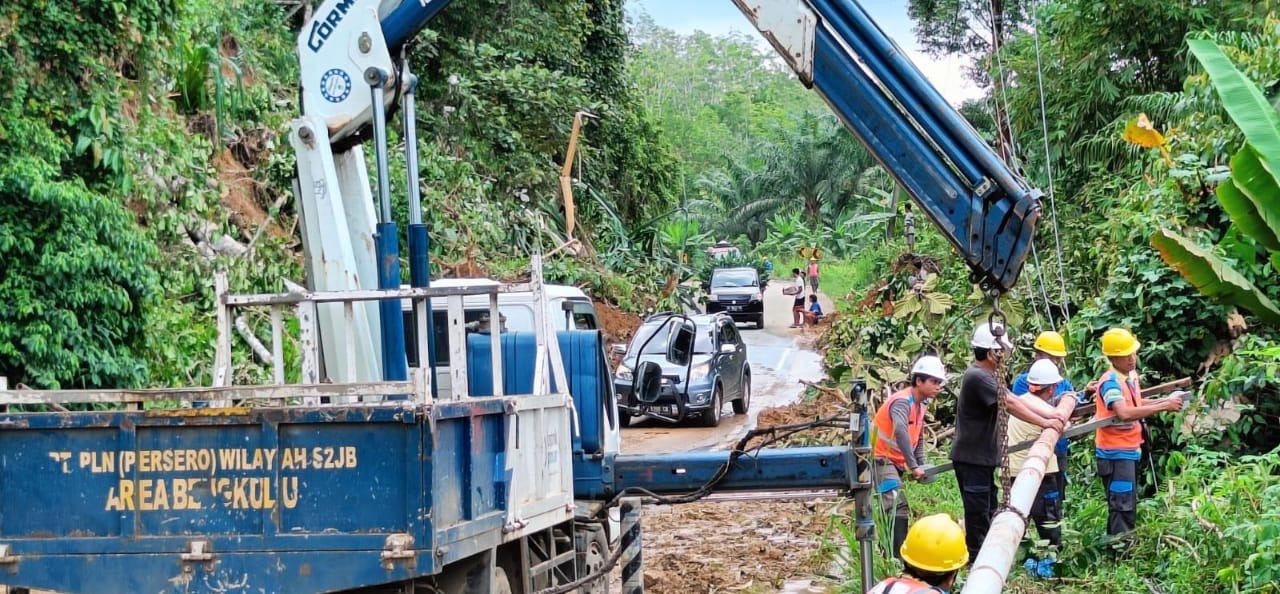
column 297, row 499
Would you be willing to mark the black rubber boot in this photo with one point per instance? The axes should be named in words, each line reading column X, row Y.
column 899, row 536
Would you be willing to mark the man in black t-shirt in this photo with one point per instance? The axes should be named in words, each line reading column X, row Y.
column 976, row 447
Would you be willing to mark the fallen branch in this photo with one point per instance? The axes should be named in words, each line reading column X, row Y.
column 260, row 351
column 1184, row 544
column 279, row 203
column 828, row 390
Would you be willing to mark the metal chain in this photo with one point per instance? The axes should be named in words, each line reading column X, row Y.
column 1002, row 409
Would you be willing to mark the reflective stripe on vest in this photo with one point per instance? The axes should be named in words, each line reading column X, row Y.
column 903, row 585
column 886, row 446
column 1125, row 436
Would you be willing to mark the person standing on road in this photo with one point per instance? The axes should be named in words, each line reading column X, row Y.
column 1051, row 346
column 1042, row 383
column 813, row 274
column 976, row 447
column 1119, row 447
column 899, row 451
column 796, row 291
column 932, row 556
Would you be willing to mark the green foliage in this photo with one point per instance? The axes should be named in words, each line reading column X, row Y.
column 1213, row 528
column 77, row 283
column 1250, row 196
column 1247, row 384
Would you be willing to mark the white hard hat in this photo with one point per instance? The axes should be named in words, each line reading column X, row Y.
column 1044, row 373
column 931, row 366
column 984, row 338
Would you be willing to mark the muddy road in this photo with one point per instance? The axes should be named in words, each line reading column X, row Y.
column 739, row 545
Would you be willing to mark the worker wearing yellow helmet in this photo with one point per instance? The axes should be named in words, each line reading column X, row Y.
column 932, row 556
column 1119, row 446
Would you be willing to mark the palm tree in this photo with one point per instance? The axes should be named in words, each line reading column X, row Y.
column 815, row 167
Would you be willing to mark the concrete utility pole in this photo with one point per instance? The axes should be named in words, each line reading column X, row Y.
column 991, row 568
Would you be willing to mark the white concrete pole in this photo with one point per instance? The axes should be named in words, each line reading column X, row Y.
column 991, row 568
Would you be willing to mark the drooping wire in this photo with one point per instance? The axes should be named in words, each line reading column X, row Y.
column 1048, row 307
column 1048, row 166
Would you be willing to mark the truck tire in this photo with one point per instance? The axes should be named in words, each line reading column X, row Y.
column 711, row 417
column 759, row 321
column 595, row 558
column 741, row 405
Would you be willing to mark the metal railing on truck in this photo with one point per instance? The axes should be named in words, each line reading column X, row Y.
column 312, row 388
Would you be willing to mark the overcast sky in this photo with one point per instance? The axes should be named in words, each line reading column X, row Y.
column 718, row 17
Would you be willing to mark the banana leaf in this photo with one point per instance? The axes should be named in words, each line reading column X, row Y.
column 1252, row 198
column 1212, row 276
column 1244, row 102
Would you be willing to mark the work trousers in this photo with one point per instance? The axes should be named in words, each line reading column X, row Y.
column 979, row 497
column 1119, row 477
column 1046, row 511
column 893, row 498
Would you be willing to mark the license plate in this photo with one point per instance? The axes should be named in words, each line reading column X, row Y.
column 735, row 308
column 665, row 409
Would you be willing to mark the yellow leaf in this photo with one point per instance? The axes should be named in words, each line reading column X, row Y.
column 1139, row 131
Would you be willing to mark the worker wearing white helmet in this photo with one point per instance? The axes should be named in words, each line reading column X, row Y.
column 1042, row 382
column 976, row 447
column 898, row 449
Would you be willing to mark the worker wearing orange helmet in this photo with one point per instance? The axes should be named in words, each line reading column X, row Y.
column 932, row 555
column 899, row 451
column 1119, row 447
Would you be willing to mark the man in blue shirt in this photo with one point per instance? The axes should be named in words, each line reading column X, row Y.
column 1050, row 345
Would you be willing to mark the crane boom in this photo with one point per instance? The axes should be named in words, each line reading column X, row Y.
column 983, row 207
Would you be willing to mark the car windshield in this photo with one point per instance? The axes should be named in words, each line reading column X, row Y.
column 658, row 346
column 733, row 278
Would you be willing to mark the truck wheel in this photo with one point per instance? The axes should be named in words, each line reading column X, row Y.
column 624, row 418
column 740, row 405
column 711, row 417
column 597, row 554
column 759, row 322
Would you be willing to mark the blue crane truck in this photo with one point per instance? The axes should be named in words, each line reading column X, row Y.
column 361, row 476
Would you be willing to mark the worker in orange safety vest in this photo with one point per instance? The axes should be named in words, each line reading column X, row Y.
column 932, row 556
column 1119, row 447
column 898, row 449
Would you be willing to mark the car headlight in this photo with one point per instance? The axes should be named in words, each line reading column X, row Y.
column 754, row 297
column 623, row 372
column 713, row 297
column 699, row 371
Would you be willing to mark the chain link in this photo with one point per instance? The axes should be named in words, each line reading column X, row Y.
column 1002, row 408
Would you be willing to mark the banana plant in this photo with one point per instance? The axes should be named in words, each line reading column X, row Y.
column 1251, row 197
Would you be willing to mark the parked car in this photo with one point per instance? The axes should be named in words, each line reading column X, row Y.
column 716, row 371
column 737, row 292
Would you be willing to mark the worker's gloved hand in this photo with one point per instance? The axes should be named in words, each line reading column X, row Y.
column 1175, row 402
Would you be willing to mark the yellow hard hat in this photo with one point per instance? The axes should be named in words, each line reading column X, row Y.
column 1051, row 342
column 1118, row 342
column 935, row 543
